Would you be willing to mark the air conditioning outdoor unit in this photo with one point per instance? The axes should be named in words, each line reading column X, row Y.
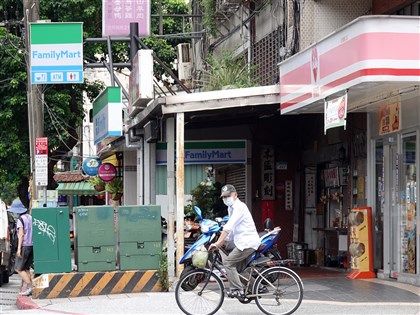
column 184, row 61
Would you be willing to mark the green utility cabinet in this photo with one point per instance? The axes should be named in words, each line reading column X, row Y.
column 140, row 237
column 51, row 238
column 95, row 238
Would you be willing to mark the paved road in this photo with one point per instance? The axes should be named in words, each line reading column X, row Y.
column 9, row 293
column 321, row 296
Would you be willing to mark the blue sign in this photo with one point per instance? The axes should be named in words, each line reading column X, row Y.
column 91, row 165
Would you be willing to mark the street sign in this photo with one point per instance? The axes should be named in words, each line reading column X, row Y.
column 56, row 53
column 41, row 161
column 118, row 14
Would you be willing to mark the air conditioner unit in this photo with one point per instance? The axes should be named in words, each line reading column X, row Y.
column 184, row 61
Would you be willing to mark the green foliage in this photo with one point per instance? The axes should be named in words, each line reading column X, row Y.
column 228, row 72
column 163, row 271
column 209, row 20
column 115, row 186
column 96, row 181
column 63, row 104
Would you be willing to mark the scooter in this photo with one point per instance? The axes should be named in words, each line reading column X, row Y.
column 211, row 229
column 191, row 232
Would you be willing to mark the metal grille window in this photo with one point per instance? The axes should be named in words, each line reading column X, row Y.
column 266, row 56
column 236, row 177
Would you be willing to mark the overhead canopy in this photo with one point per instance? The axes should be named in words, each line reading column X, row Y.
column 77, row 189
column 368, row 57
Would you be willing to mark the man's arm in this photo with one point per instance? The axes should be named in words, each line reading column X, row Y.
column 220, row 241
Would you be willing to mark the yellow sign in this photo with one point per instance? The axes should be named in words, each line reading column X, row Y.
column 389, row 118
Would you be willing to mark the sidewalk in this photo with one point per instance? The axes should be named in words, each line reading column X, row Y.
column 322, row 289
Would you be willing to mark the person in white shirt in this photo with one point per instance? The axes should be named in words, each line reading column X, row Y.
column 242, row 231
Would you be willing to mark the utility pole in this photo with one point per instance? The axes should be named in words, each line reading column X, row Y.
column 34, row 91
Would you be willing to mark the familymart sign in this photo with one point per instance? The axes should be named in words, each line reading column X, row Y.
column 207, row 152
column 56, row 53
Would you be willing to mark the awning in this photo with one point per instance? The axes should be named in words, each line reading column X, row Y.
column 77, row 189
column 370, row 57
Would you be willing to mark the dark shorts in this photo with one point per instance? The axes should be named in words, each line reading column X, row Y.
column 25, row 262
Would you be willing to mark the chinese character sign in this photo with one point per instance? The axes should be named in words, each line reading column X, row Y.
column 267, row 171
column 118, row 14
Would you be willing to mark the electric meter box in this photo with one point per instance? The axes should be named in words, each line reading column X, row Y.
column 140, row 237
column 95, row 238
column 51, row 239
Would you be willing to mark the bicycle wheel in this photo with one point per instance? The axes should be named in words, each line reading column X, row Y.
column 196, row 294
column 282, row 294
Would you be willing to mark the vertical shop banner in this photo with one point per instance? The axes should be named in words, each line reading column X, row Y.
column 41, row 161
column 118, row 14
column 335, row 113
column 310, row 190
column 389, row 118
column 288, row 192
column 267, row 171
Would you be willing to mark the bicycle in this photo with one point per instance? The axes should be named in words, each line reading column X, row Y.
column 275, row 289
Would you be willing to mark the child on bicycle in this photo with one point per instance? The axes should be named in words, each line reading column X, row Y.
column 241, row 229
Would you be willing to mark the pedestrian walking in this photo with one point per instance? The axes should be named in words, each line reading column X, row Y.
column 24, row 252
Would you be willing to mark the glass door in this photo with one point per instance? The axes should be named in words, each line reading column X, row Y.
column 408, row 205
column 389, row 206
column 379, row 206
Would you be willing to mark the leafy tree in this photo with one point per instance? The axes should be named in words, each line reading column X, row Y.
column 63, row 108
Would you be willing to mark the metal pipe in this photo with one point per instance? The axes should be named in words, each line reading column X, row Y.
column 111, row 72
column 117, row 80
column 134, row 32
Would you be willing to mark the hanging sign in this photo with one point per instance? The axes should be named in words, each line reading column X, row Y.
column 335, row 113
column 389, row 118
column 91, row 165
column 118, row 14
column 107, row 172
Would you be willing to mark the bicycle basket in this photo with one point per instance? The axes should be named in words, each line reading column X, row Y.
column 199, row 258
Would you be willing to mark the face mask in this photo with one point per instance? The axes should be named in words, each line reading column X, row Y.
column 228, row 201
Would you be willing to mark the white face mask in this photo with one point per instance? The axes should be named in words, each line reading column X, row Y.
column 228, row 201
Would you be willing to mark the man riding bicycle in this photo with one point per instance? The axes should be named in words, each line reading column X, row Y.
column 241, row 229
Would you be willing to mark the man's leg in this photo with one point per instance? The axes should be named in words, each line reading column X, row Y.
column 231, row 262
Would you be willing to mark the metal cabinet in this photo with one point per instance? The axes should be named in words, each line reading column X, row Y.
column 140, row 237
column 51, row 238
column 95, row 238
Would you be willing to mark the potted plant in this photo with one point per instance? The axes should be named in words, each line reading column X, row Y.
column 97, row 183
column 115, row 188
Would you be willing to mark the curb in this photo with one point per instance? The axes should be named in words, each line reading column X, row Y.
column 26, row 303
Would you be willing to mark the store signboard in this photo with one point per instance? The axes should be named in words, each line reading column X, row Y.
column 41, row 161
column 390, row 118
column 107, row 116
column 367, row 50
column 141, row 81
column 335, row 113
column 55, row 58
column 118, row 14
column 207, row 152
